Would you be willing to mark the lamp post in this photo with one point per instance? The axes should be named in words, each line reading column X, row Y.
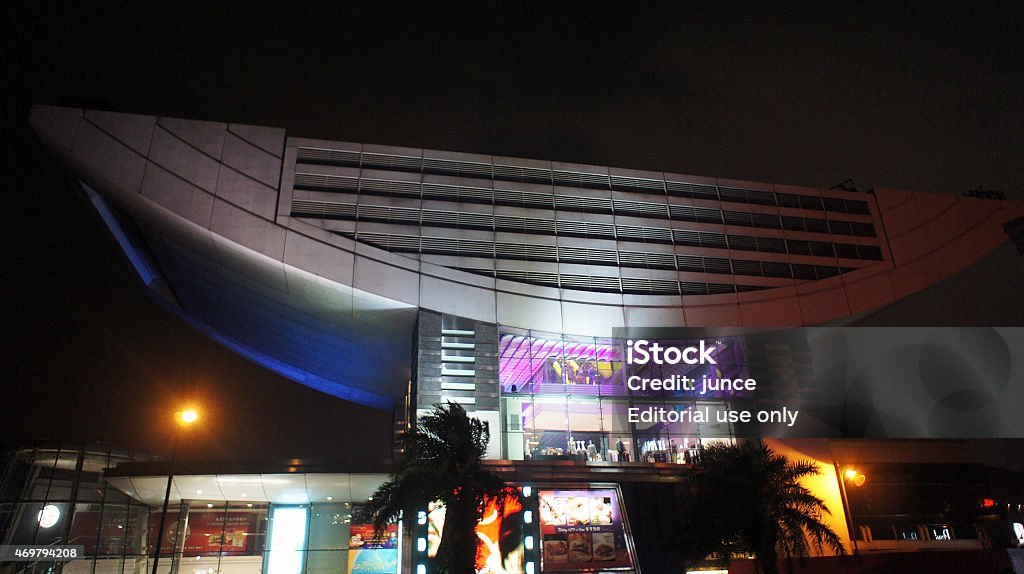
column 857, row 479
column 185, row 418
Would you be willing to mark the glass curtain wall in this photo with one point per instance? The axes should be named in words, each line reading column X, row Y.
column 56, row 495
column 571, row 398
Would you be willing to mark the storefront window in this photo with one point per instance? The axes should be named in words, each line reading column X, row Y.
column 549, row 423
column 569, row 398
column 586, row 428
column 615, row 416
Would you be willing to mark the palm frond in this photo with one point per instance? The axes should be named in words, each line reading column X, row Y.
column 749, row 498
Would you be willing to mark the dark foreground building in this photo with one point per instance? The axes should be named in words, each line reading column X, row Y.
column 399, row 278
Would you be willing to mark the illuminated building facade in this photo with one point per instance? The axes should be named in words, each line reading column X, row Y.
column 398, row 278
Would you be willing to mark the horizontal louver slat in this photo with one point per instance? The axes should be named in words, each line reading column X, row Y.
column 329, row 156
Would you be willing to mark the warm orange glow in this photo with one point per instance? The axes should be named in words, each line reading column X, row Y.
column 187, row 416
column 825, row 486
column 855, row 477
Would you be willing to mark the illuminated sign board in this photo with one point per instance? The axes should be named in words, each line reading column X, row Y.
column 208, row 533
column 582, row 530
column 369, row 553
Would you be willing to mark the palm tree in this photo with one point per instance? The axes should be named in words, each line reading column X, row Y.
column 443, row 464
column 748, row 499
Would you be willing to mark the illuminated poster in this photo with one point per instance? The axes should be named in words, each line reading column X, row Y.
column 373, row 561
column 217, row 532
column 582, row 530
column 501, row 537
column 372, row 554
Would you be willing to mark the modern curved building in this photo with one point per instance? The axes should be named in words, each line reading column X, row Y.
column 398, row 277
column 315, row 257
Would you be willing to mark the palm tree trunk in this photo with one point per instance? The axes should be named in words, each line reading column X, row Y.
column 768, row 558
column 457, row 552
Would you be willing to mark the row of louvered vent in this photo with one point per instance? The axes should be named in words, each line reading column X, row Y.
column 589, row 256
column 319, row 182
column 625, row 285
column 570, row 178
column 566, row 227
column 493, row 171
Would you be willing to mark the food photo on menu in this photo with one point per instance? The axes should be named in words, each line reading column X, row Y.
column 556, row 549
column 579, row 547
column 603, row 544
column 578, row 509
column 552, row 509
column 601, row 510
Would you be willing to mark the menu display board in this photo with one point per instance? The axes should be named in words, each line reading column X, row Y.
column 582, row 530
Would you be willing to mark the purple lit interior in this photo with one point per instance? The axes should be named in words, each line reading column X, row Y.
column 528, row 365
column 522, row 360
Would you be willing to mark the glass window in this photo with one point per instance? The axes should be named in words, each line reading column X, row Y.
column 840, row 227
column 549, row 422
column 576, row 404
column 244, row 532
column 329, row 526
column 798, row 247
column 109, row 525
column 846, row 251
column 15, row 475
column 833, row 204
column 28, row 520
column 788, row 200
column 869, row 252
column 43, row 464
column 816, row 225
column 286, row 544
column 516, row 437
column 863, row 229
column 586, row 429
column 328, row 538
column 135, row 535
column 810, row 202
column 6, row 517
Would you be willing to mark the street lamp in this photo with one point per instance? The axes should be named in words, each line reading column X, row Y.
column 185, row 418
column 856, row 478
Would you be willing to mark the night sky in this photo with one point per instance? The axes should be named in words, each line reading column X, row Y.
column 927, row 99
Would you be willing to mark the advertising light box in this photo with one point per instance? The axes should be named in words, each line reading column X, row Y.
column 582, row 530
column 234, row 532
column 370, row 552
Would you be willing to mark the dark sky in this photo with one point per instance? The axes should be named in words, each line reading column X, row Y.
column 924, row 98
